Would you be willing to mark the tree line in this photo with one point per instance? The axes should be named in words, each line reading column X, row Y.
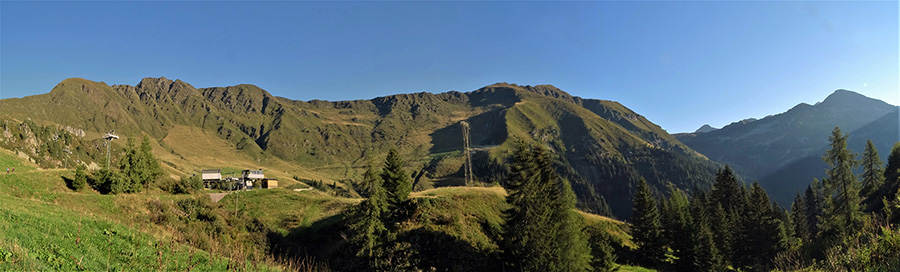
column 842, row 223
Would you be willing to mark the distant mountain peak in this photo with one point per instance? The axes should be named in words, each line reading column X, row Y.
column 846, row 98
column 705, row 128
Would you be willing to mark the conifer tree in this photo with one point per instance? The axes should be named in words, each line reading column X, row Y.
column 138, row 167
column 148, row 163
column 397, row 187
column 645, row 228
column 128, row 167
column 727, row 200
column 727, row 191
column 873, row 172
column 892, row 170
column 889, row 192
column 814, row 196
column 798, row 219
column 676, row 222
column 542, row 232
column 723, row 226
column 762, row 234
column 80, row 180
column 602, row 252
column 366, row 222
column 703, row 254
column 842, row 211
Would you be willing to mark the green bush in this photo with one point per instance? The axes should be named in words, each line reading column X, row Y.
column 185, row 185
column 878, row 253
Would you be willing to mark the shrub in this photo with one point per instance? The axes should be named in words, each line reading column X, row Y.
column 185, row 185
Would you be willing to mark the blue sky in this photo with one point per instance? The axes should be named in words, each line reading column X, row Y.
column 680, row 64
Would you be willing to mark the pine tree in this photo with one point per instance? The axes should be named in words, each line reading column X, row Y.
column 366, row 222
column 889, row 192
column 397, row 187
column 645, row 228
column 842, row 211
column 799, row 221
column 128, row 167
column 149, row 165
column 762, row 235
column 80, row 180
column 138, row 167
column 676, row 221
column 703, row 254
column 892, row 170
column 814, row 196
column 727, row 200
column 727, row 190
column 542, row 232
column 723, row 226
column 602, row 252
column 873, row 172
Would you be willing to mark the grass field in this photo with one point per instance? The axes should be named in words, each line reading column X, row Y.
column 45, row 226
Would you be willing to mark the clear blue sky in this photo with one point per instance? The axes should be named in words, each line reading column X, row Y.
column 680, row 64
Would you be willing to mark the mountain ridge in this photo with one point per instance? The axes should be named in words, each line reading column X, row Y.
column 603, row 147
column 757, row 148
column 783, row 151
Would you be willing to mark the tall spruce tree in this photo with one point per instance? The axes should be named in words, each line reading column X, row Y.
column 727, row 191
column 129, row 168
column 762, row 234
column 726, row 203
column 80, row 180
column 703, row 254
column 366, row 223
column 148, row 163
column 842, row 201
column 799, row 221
column 138, row 167
column 873, row 171
column 814, row 196
column 397, row 187
column 542, row 232
column 676, row 222
column 889, row 192
column 646, row 230
column 723, row 226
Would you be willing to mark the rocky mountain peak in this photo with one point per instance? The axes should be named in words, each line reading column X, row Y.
column 848, row 99
column 705, row 128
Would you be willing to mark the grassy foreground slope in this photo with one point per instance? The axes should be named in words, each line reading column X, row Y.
column 45, row 226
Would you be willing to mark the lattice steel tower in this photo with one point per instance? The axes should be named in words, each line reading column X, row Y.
column 470, row 177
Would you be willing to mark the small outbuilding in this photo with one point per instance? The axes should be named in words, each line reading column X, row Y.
column 269, row 183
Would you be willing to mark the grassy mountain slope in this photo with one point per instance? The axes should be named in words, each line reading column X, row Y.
column 604, row 147
column 45, row 226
